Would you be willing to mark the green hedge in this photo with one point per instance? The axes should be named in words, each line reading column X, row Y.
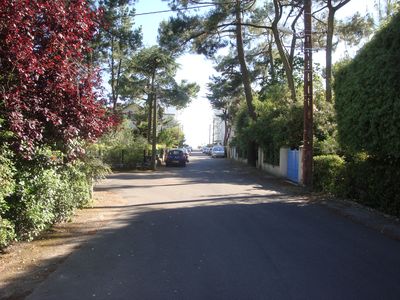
column 368, row 115
column 374, row 182
column 328, row 174
column 7, row 182
column 7, row 185
column 7, row 233
column 44, row 196
column 368, row 180
column 367, row 96
column 42, row 192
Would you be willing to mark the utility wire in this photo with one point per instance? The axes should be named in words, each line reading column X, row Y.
column 172, row 10
column 204, row 4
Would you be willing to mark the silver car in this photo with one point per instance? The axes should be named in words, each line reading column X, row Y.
column 218, row 151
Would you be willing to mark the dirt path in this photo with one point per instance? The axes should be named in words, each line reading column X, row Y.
column 24, row 265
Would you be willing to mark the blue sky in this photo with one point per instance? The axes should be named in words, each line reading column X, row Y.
column 150, row 23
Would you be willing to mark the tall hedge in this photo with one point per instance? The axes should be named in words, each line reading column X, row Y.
column 368, row 96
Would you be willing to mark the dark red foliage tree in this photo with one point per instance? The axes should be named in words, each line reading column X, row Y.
column 47, row 85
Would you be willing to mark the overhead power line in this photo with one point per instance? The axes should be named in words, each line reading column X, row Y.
column 203, row 5
column 172, row 10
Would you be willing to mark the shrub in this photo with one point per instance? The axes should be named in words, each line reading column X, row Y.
column 374, row 182
column 121, row 147
column 7, row 233
column 328, row 173
column 368, row 103
column 32, row 205
column 94, row 169
column 48, row 191
column 7, row 182
column 72, row 192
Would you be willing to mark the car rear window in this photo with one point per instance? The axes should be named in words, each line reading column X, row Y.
column 218, row 149
column 175, row 152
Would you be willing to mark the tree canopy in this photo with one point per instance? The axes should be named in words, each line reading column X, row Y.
column 47, row 86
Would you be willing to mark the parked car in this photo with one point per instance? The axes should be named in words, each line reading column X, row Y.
column 218, row 151
column 176, row 157
column 187, row 153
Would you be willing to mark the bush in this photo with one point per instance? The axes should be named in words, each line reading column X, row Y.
column 7, row 186
column 367, row 96
column 121, row 148
column 32, row 205
column 7, row 182
column 328, row 174
column 48, row 192
column 73, row 191
column 374, row 182
column 7, row 233
column 94, row 169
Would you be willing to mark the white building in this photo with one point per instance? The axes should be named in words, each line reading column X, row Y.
column 218, row 129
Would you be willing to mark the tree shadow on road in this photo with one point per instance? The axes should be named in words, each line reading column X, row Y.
column 237, row 249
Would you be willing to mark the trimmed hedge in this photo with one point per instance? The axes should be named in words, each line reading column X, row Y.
column 367, row 96
column 374, row 182
column 368, row 180
column 368, row 115
column 328, row 174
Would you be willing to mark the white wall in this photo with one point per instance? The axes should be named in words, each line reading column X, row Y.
column 279, row 170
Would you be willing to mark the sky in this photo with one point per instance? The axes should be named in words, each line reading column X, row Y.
column 197, row 117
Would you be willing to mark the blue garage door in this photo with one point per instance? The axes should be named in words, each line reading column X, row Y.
column 293, row 165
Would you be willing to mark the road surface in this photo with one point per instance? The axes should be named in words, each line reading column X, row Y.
column 219, row 230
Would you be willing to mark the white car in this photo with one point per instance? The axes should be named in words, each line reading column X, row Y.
column 218, row 151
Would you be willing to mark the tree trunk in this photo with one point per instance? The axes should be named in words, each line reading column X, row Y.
column 252, row 153
column 282, row 53
column 112, row 63
column 227, row 128
column 154, row 133
column 149, row 116
column 329, row 46
column 251, row 156
column 243, row 66
column 328, row 58
column 271, row 61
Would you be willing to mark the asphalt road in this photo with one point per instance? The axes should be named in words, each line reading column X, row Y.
column 217, row 230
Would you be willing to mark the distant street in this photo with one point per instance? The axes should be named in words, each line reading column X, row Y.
column 219, row 230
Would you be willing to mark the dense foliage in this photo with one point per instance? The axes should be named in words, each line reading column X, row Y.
column 368, row 118
column 280, row 123
column 367, row 180
column 121, row 148
column 373, row 182
column 46, row 191
column 49, row 112
column 328, row 173
column 7, row 186
column 367, row 96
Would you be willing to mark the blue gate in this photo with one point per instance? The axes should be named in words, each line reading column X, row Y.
column 293, row 165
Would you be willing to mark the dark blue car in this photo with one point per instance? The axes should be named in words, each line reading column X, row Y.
column 175, row 157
